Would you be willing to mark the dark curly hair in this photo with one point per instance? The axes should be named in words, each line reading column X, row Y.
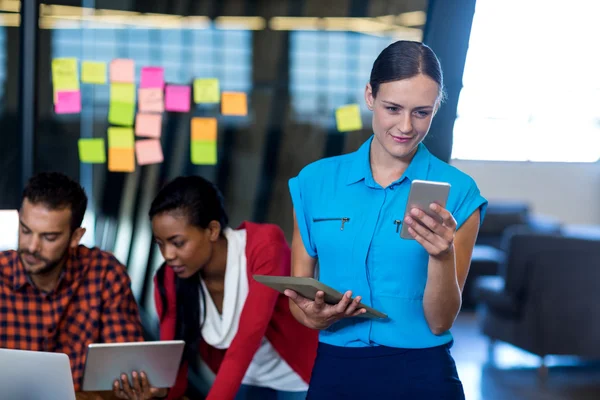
column 57, row 192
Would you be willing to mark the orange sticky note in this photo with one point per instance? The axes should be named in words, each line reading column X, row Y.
column 148, row 151
column 204, row 129
column 148, row 125
column 121, row 160
column 122, row 70
column 151, row 100
column 234, row 103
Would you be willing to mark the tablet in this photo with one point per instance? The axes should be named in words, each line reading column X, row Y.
column 106, row 362
column 35, row 375
column 308, row 287
column 422, row 194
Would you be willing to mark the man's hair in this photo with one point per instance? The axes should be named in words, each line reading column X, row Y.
column 57, row 192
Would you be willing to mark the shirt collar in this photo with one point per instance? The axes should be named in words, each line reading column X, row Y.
column 360, row 168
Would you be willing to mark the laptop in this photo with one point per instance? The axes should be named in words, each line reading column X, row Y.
column 35, row 375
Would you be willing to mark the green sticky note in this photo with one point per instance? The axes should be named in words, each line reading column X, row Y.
column 93, row 72
column 120, row 138
column 121, row 113
column 122, row 92
column 348, row 118
column 206, row 90
column 204, row 152
column 92, row 151
column 64, row 74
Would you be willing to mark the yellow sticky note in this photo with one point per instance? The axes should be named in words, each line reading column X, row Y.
column 121, row 113
column 122, row 92
column 93, row 72
column 206, row 90
column 204, row 152
column 348, row 118
column 204, row 129
column 148, row 151
column 234, row 103
column 121, row 160
column 64, row 74
column 92, row 151
column 121, row 138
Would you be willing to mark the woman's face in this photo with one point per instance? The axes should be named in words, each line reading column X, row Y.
column 186, row 248
column 402, row 113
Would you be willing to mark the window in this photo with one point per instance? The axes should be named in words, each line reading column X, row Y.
column 531, row 84
column 330, row 69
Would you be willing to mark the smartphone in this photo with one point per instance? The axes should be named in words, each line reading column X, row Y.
column 422, row 194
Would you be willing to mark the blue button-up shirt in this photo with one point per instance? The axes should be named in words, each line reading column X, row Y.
column 349, row 222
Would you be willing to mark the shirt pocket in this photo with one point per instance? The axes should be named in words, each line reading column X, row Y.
column 332, row 233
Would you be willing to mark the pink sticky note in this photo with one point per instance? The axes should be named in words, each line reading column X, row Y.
column 152, row 77
column 148, row 151
column 177, row 98
column 68, row 102
column 148, row 125
column 151, row 100
column 122, row 70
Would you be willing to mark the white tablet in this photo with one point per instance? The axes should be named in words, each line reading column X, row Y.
column 35, row 375
column 308, row 287
column 106, row 362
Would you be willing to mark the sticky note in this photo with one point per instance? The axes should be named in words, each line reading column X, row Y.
column 122, row 92
column 151, row 100
column 177, row 98
column 148, row 125
column 148, row 151
column 122, row 70
column 121, row 160
column 120, row 138
column 152, row 77
column 92, row 151
column 121, row 113
column 204, row 152
column 206, row 90
column 64, row 74
column 348, row 118
column 93, row 72
column 204, row 129
column 68, row 102
column 234, row 103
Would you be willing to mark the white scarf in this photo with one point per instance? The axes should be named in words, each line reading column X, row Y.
column 219, row 330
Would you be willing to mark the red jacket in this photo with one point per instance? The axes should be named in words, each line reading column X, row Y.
column 265, row 313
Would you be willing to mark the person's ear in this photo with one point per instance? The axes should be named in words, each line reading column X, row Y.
column 369, row 99
column 214, row 230
column 76, row 237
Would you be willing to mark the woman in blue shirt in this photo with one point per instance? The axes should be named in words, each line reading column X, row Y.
column 347, row 214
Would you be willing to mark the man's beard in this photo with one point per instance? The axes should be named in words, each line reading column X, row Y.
column 50, row 266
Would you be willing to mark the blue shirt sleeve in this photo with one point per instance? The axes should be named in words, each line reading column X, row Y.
column 471, row 200
column 299, row 192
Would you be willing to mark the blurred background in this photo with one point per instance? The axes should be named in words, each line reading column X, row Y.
column 522, row 117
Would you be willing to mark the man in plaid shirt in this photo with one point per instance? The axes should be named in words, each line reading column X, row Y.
column 55, row 294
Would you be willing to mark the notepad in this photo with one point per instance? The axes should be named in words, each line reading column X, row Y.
column 148, row 125
column 234, row 103
column 92, row 151
column 93, row 72
column 348, row 118
column 148, row 151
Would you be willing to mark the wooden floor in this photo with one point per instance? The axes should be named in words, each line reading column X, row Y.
column 514, row 374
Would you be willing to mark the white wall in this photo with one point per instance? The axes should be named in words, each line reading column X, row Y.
column 567, row 191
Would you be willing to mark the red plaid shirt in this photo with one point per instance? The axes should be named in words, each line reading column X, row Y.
column 92, row 303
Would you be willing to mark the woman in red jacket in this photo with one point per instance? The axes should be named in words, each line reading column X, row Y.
column 205, row 295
